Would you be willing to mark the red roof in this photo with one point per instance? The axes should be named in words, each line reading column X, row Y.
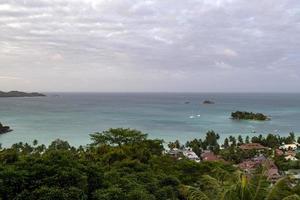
column 248, row 164
column 278, row 152
column 209, row 156
column 250, row 146
column 272, row 170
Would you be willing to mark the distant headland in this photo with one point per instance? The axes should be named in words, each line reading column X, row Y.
column 239, row 115
column 20, row 94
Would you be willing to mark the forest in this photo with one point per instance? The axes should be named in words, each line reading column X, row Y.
column 122, row 164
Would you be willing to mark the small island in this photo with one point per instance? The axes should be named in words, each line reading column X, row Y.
column 242, row 115
column 208, row 102
column 4, row 129
column 20, row 94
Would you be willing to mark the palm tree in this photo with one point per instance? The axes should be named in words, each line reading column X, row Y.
column 292, row 197
column 192, row 193
column 240, row 187
column 281, row 189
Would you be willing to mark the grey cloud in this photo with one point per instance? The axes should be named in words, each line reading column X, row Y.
column 172, row 44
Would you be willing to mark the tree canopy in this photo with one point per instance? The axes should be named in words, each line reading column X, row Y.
column 118, row 136
column 124, row 164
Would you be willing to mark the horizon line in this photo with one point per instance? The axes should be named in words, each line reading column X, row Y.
column 181, row 92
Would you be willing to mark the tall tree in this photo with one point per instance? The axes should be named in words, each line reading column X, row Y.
column 211, row 141
column 118, row 136
column 226, row 143
column 240, row 140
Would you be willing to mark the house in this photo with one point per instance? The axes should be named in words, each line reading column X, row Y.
column 175, row 153
column 190, row 154
column 293, row 173
column 290, row 157
column 290, row 153
column 259, row 159
column 286, row 147
column 179, row 153
column 278, row 152
column 273, row 175
column 253, row 146
column 272, row 171
column 209, row 156
column 248, row 166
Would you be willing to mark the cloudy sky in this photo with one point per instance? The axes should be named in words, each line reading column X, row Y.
column 151, row 45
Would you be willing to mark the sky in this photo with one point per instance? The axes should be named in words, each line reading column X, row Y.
column 150, row 45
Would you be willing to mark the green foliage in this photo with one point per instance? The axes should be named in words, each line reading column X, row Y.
column 226, row 143
column 112, row 193
column 285, row 165
column 240, row 140
column 191, row 193
column 50, row 193
column 247, row 140
column 280, row 190
column 239, row 115
column 232, row 140
column 124, row 164
column 211, row 141
column 292, row 197
column 175, row 144
column 118, row 136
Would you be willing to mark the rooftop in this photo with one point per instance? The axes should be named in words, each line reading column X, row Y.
column 251, row 146
column 209, row 156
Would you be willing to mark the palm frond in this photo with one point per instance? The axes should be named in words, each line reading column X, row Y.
column 192, row 193
column 292, row 197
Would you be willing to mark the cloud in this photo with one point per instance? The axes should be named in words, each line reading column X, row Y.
column 10, row 78
column 222, row 65
column 57, row 57
column 171, row 39
column 229, row 53
column 163, row 40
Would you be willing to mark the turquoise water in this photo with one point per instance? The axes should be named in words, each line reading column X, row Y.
column 73, row 116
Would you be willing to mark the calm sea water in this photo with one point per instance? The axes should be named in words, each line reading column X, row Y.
column 73, row 116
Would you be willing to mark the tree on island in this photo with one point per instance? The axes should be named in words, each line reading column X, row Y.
column 4, row 129
column 208, row 102
column 239, row 115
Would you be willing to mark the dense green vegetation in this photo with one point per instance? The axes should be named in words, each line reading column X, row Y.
column 239, row 115
column 123, row 164
column 20, row 94
column 229, row 150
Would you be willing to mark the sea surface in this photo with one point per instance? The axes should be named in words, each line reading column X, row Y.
column 169, row 116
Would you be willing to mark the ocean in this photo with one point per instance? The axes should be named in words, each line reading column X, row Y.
column 168, row 116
